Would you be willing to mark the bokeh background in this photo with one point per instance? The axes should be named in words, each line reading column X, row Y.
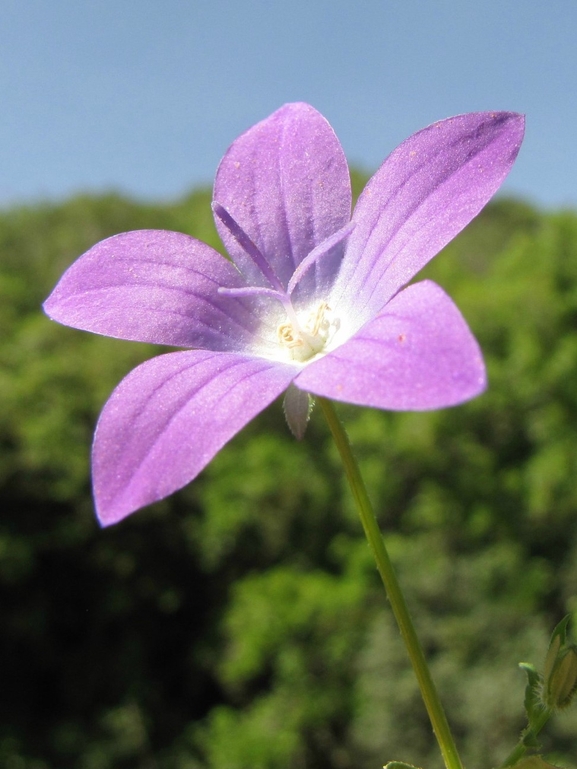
column 240, row 624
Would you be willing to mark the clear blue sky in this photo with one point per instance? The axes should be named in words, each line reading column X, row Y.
column 144, row 96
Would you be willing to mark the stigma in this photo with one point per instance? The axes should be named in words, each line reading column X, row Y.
column 307, row 334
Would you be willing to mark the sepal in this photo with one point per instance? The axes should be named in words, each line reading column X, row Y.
column 558, row 640
column 560, row 670
column 297, row 407
column 562, row 683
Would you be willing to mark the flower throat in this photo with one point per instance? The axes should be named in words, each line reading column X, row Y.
column 304, row 334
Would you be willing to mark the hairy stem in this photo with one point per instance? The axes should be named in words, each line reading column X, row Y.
column 528, row 739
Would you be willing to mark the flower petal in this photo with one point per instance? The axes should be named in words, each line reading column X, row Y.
column 425, row 192
column 286, row 183
column 155, row 286
column 418, row 354
column 169, row 417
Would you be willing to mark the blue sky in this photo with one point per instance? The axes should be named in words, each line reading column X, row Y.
column 144, row 97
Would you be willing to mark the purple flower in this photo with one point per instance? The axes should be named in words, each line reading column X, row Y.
column 312, row 301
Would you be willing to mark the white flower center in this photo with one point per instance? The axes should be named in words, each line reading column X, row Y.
column 307, row 334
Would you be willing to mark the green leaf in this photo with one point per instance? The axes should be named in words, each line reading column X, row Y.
column 533, row 706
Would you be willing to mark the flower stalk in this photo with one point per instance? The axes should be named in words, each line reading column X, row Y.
column 393, row 589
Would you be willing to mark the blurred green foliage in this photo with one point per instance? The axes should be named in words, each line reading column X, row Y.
column 240, row 624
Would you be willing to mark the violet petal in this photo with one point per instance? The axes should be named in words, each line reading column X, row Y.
column 169, row 417
column 156, row 286
column 425, row 192
column 417, row 354
column 286, row 183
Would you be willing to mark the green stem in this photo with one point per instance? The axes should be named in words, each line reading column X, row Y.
column 528, row 738
column 393, row 590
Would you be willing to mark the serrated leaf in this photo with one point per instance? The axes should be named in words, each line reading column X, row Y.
column 532, row 701
column 530, row 740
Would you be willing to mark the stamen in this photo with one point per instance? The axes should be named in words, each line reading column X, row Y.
column 306, row 339
column 247, row 245
column 303, row 335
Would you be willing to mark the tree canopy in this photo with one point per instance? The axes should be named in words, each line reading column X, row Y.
column 240, row 623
